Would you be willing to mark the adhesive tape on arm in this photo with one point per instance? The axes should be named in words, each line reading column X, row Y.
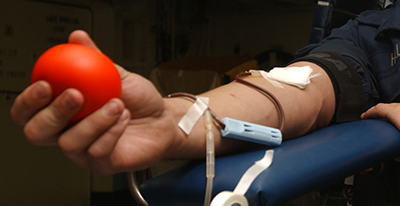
column 227, row 198
column 193, row 114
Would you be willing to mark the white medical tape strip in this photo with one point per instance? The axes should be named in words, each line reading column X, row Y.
column 265, row 75
column 252, row 173
column 349, row 180
column 323, row 3
column 193, row 114
column 227, row 198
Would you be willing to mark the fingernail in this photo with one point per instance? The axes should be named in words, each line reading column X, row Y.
column 124, row 116
column 111, row 109
column 68, row 102
column 39, row 92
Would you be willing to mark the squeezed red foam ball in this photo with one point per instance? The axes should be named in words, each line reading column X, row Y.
column 76, row 66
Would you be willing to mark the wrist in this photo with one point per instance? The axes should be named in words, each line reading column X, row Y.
column 182, row 146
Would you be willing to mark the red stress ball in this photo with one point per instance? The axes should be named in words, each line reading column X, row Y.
column 75, row 66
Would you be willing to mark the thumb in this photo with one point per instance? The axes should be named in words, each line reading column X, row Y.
column 375, row 112
column 81, row 37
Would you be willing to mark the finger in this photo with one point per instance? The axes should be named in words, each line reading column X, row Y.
column 99, row 153
column 30, row 101
column 123, row 73
column 45, row 126
column 77, row 139
column 377, row 111
column 104, row 145
column 82, row 38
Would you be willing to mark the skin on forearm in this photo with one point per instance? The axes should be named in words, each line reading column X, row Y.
column 305, row 111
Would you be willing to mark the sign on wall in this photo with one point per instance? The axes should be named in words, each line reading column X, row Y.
column 27, row 29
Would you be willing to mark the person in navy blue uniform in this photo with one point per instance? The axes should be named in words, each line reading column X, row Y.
column 369, row 47
column 357, row 67
column 370, row 43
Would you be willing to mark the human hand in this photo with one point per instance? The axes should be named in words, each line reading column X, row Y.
column 129, row 133
column 386, row 112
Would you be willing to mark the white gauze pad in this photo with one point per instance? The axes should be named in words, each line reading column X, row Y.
column 296, row 76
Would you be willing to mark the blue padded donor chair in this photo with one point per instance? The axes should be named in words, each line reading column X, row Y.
column 299, row 166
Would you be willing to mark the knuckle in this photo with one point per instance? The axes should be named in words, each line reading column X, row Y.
column 35, row 137
column 97, row 153
column 16, row 117
column 30, row 135
column 26, row 105
column 67, row 147
column 380, row 106
column 20, row 104
column 98, row 126
column 57, row 115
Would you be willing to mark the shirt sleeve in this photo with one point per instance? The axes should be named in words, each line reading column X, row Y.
column 345, row 41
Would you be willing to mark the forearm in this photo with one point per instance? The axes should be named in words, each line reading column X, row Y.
column 305, row 110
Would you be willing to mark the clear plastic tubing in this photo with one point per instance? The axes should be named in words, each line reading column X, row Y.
column 209, row 158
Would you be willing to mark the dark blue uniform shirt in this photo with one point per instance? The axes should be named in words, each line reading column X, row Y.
column 371, row 44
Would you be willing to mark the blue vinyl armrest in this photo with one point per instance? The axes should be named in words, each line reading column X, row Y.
column 299, row 166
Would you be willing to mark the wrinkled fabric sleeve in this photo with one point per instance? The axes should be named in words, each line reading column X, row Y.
column 343, row 46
